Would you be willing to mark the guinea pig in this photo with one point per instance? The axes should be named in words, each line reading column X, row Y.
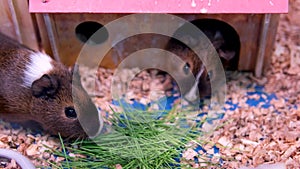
column 36, row 88
column 194, row 64
column 214, row 36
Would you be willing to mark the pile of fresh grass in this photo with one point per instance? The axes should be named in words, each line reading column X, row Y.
column 137, row 141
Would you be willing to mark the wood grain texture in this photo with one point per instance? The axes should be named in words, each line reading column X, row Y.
column 247, row 26
column 16, row 22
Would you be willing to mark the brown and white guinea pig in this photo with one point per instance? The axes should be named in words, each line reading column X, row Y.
column 226, row 51
column 36, row 88
column 194, row 64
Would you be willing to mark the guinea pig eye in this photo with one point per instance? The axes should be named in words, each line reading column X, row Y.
column 70, row 112
column 186, row 68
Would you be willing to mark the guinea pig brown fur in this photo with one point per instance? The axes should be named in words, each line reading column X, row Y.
column 193, row 64
column 34, row 87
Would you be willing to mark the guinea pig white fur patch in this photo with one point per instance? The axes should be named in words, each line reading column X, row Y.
column 191, row 95
column 38, row 65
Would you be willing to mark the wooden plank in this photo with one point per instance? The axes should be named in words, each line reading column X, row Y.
column 16, row 22
column 67, row 44
column 265, row 25
column 25, row 24
column 247, row 27
column 271, row 37
column 6, row 21
column 42, row 34
column 159, row 6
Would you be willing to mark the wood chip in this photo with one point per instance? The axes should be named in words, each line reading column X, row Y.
column 289, row 152
column 32, row 150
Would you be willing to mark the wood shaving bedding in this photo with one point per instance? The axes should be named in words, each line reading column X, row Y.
column 251, row 135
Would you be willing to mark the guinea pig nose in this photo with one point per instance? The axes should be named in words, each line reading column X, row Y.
column 70, row 112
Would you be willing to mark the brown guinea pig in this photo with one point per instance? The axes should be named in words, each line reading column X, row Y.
column 194, row 64
column 210, row 42
column 36, row 88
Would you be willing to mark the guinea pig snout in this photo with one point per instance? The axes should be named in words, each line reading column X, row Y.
column 70, row 113
column 192, row 95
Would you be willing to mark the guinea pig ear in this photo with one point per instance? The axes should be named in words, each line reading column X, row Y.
column 45, row 87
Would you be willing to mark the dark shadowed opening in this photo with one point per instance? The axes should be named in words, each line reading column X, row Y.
column 85, row 30
column 230, row 36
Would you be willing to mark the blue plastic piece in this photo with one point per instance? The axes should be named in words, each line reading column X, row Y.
column 200, row 148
